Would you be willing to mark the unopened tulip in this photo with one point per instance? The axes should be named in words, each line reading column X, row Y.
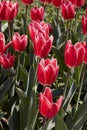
column 27, row 2
column 2, row 42
column 8, row 10
column 78, row 3
column 68, row 11
column 42, row 45
column 37, row 13
column 7, row 60
column 47, row 71
column 73, row 54
column 46, row 1
column 38, row 27
column 19, row 43
column 85, row 52
column 47, row 107
column 57, row 3
column 84, row 23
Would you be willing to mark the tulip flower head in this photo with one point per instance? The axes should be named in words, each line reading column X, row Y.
column 37, row 13
column 47, row 71
column 45, row 1
column 73, row 54
column 84, row 23
column 2, row 42
column 85, row 52
column 68, row 10
column 47, row 108
column 7, row 60
column 78, row 3
column 19, row 43
column 8, row 10
column 57, row 3
column 27, row 2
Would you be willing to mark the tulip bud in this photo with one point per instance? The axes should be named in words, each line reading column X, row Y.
column 47, row 71
column 8, row 10
column 57, row 3
column 84, row 23
column 37, row 13
column 19, row 43
column 68, row 11
column 7, row 60
column 47, row 108
column 27, row 2
column 78, row 3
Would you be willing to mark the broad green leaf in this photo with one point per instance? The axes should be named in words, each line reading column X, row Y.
column 69, row 121
column 70, row 95
column 5, row 87
column 21, row 93
column 59, row 124
column 49, row 124
column 14, row 121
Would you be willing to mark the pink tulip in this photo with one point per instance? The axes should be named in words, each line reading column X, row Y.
column 37, row 13
column 7, row 60
column 27, row 2
column 57, row 3
column 73, row 54
column 84, row 23
column 47, row 108
column 68, row 11
column 47, row 71
column 78, row 3
column 8, row 10
column 19, row 43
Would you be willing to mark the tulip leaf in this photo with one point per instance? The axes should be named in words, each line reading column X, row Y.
column 14, row 121
column 59, row 124
column 69, row 121
column 5, row 87
column 21, row 93
column 70, row 95
column 50, row 124
column 30, row 80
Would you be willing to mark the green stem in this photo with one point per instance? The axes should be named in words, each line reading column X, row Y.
column 43, row 127
column 26, row 18
column 80, row 89
column 66, row 85
column 67, row 29
column 57, row 17
column 76, row 18
column 18, row 65
column 9, row 30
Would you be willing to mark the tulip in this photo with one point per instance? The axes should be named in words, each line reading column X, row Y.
column 73, row 54
column 47, row 108
column 85, row 52
column 38, row 27
column 57, row 3
column 78, row 3
column 68, row 11
column 84, row 23
column 27, row 2
column 2, row 42
column 46, row 1
column 47, row 71
column 8, row 10
column 7, row 60
column 19, row 43
column 37, row 13
column 42, row 45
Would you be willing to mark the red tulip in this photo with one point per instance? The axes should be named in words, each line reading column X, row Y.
column 47, row 108
column 19, row 43
column 73, row 54
column 68, row 11
column 38, row 27
column 42, row 45
column 84, row 23
column 37, row 13
column 47, row 71
column 85, row 52
column 78, row 3
column 2, row 42
column 57, row 3
column 8, row 10
column 45, row 1
column 7, row 60
column 27, row 2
